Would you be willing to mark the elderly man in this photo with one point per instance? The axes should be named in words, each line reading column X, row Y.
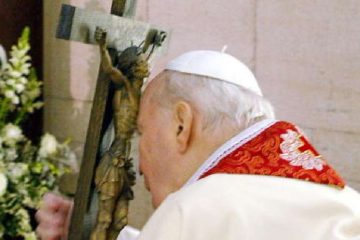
column 219, row 166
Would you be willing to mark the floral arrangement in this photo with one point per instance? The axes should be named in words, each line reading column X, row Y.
column 27, row 170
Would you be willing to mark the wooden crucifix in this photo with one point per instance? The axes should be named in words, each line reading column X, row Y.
column 131, row 41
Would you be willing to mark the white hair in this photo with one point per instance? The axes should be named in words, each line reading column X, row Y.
column 217, row 101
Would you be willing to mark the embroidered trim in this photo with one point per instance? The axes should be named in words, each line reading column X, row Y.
column 268, row 154
column 290, row 148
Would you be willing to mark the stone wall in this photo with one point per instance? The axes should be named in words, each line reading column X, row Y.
column 305, row 55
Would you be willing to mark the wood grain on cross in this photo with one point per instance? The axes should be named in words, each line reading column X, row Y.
column 79, row 25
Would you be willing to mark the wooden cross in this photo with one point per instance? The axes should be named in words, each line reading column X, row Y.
column 79, row 25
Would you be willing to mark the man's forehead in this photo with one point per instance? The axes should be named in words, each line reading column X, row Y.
column 145, row 99
column 150, row 83
column 146, row 104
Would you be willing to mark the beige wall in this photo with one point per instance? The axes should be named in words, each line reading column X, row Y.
column 305, row 55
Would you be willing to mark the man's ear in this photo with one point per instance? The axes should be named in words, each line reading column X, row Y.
column 184, row 120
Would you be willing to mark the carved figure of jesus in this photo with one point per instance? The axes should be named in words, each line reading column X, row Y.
column 114, row 176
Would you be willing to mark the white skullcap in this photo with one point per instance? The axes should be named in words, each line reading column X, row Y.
column 217, row 65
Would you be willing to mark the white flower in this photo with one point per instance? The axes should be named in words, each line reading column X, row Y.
column 9, row 94
column 23, row 80
column 24, row 69
column 19, row 87
column 15, row 100
column 19, row 53
column 3, row 184
column 34, row 93
column 26, row 58
column 11, row 134
column 11, row 81
column 11, row 154
column 2, row 57
column 14, row 61
column 18, row 169
column 15, row 74
column 48, row 145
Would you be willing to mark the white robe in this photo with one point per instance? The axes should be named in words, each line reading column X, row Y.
column 248, row 207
